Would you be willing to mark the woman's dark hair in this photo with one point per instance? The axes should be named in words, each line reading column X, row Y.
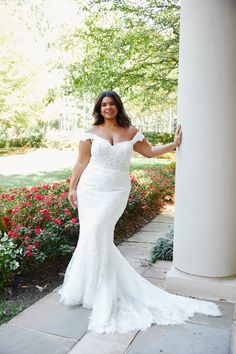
column 122, row 117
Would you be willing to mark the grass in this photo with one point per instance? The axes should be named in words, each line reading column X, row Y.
column 138, row 163
column 19, row 180
column 23, row 179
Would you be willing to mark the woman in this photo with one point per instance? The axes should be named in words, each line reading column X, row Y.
column 98, row 276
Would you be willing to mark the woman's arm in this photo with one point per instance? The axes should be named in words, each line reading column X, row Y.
column 147, row 150
column 81, row 163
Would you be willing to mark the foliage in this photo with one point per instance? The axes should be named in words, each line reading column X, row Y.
column 131, row 47
column 159, row 138
column 18, row 107
column 32, row 62
column 149, row 186
column 38, row 220
column 8, row 309
column 23, row 141
column 163, row 247
column 9, row 259
column 67, row 141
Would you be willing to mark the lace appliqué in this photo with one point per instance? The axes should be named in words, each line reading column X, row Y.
column 138, row 137
column 83, row 136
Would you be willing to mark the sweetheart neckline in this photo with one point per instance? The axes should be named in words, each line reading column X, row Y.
column 119, row 142
column 112, row 145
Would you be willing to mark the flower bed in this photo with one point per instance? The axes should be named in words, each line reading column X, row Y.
column 43, row 227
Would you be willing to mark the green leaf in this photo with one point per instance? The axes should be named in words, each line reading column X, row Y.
column 4, row 238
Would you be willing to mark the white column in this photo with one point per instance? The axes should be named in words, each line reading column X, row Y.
column 205, row 199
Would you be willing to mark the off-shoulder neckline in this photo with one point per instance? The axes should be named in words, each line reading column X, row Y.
column 119, row 142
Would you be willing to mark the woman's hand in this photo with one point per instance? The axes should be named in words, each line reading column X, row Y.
column 178, row 135
column 72, row 197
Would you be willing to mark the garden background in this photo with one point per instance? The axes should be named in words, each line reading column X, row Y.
column 55, row 58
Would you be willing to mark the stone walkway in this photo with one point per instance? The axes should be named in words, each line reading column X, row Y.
column 48, row 327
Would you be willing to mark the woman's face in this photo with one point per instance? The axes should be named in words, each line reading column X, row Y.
column 109, row 109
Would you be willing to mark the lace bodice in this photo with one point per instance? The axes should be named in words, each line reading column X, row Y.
column 108, row 156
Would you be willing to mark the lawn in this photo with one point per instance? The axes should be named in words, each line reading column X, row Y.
column 48, row 165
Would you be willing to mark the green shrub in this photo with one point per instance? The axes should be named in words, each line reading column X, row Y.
column 163, row 247
column 24, row 141
column 156, row 138
column 10, row 255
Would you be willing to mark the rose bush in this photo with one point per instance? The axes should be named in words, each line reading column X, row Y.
column 40, row 221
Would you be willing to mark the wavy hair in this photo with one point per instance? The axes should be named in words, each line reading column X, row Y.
column 122, row 117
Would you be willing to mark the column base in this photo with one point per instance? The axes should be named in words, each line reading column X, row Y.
column 181, row 283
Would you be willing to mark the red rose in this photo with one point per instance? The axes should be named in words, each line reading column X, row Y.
column 38, row 196
column 58, row 221
column 37, row 230
column 14, row 234
column 7, row 221
column 45, row 211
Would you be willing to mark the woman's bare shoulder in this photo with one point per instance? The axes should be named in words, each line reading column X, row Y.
column 132, row 130
column 92, row 129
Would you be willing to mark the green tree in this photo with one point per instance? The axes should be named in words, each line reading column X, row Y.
column 128, row 46
column 32, row 61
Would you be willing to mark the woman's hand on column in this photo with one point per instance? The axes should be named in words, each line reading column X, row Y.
column 72, row 197
column 178, row 135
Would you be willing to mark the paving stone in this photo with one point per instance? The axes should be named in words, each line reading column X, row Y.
column 145, row 237
column 93, row 343
column 160, row 283
column 158, row 227
column 16, row 340
column 49, row 316
column 163, row 264
column 155, row 272
column 188, row 338
column 136, row 264
column 224, row 321
column 135, row 250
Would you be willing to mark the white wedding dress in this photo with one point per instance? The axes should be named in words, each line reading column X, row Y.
column 98, row 276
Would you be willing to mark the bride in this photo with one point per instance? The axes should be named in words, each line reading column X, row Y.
column 98, row 277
